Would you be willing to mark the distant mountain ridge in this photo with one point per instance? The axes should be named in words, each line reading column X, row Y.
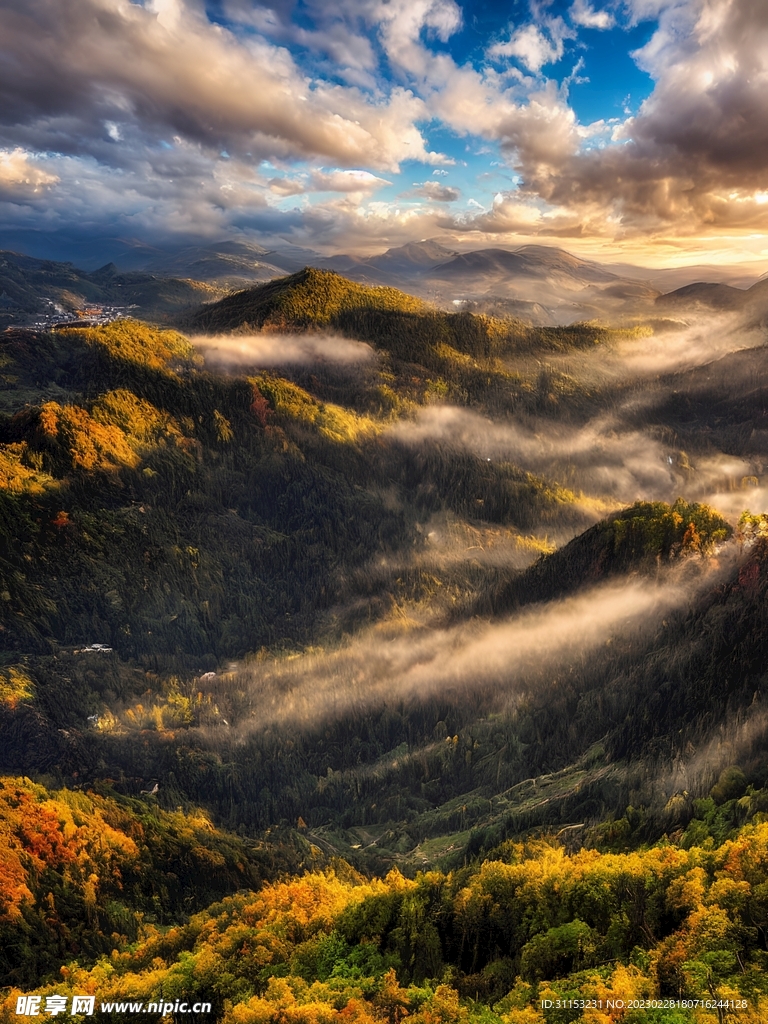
column 709, row 295
column 541, row 284
column 34, row 289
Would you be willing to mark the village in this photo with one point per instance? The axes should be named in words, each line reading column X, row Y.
column 56, row 316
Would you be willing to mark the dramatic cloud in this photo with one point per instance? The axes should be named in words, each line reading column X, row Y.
column 69, row 69
column 176, row 117
column 21, row 175
column 696, row 152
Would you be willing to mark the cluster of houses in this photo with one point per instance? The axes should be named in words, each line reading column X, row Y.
column 56, row 316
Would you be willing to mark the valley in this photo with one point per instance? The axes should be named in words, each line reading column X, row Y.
column 322, row 585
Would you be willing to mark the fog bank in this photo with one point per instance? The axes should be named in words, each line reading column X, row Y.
column 266, row 350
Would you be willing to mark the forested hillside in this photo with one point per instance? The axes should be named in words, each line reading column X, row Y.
column 530, row 935
column 31, row 288
column 432, row 593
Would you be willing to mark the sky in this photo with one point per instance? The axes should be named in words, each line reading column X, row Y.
column 632, row 130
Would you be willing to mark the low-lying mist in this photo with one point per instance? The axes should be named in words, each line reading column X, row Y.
column 600, row 458
column 695, row 341
column 500, row 661
column 604, row 457
column 238, row 351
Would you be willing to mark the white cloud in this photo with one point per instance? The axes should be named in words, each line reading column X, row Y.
column 172, row 72
column 346, row 181
column 530, row 46
column 583, row 13
column 134, row 104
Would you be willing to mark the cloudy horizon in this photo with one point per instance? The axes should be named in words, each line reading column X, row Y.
column 631, row 130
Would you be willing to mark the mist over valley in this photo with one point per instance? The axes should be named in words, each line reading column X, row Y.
column 376, row 583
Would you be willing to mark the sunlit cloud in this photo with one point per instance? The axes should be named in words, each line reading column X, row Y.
column 21, row 174
column 266, row 350
column 584, row 14
column 158, row 116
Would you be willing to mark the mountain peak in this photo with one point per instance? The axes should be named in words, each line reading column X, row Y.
column 308, row 298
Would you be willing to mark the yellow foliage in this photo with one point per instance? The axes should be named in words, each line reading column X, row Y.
column 135, row 342
column 311, row 298
column 332, row 421
column 63, row 831
column 15, row 685
column 15, row 473
column 224, row 430
column 88, row 443
column 141, row 421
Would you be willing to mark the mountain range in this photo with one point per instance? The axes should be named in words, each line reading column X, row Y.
column 362, row 657
column 542, row 285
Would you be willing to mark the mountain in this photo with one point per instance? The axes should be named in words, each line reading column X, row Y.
column 310, row 298
column 543, row 284
column 403, row 325
column 534, row 261
column 666, row 279
column 703, row 295
column 86, row 250
column 568, row 287
column 227, row 264
column 415, row 256
column 334, row 691
column 710, row 296
column 33, row 290
column 399, row 263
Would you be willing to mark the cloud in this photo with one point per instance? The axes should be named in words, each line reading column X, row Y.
column 336, row 38
column 346, row 181
column 21, row 175
column 694, row 155
column 131, row 106
column 356, row 182
column 287, row 186
column 583, row 13
column 436, row 192
column 530, row 46
column 164, row 67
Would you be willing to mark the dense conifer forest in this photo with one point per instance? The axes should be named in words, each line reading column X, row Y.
column 409, row 673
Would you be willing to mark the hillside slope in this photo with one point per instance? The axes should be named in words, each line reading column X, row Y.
column 33, row 289
column 247, row 592
column 310, row 298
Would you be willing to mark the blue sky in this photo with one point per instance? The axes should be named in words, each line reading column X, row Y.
column 628, row 129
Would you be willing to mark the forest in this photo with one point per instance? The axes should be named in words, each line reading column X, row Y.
column 414, row 670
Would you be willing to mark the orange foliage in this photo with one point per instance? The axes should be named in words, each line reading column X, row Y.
column 88, row 443
column 39, row 832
